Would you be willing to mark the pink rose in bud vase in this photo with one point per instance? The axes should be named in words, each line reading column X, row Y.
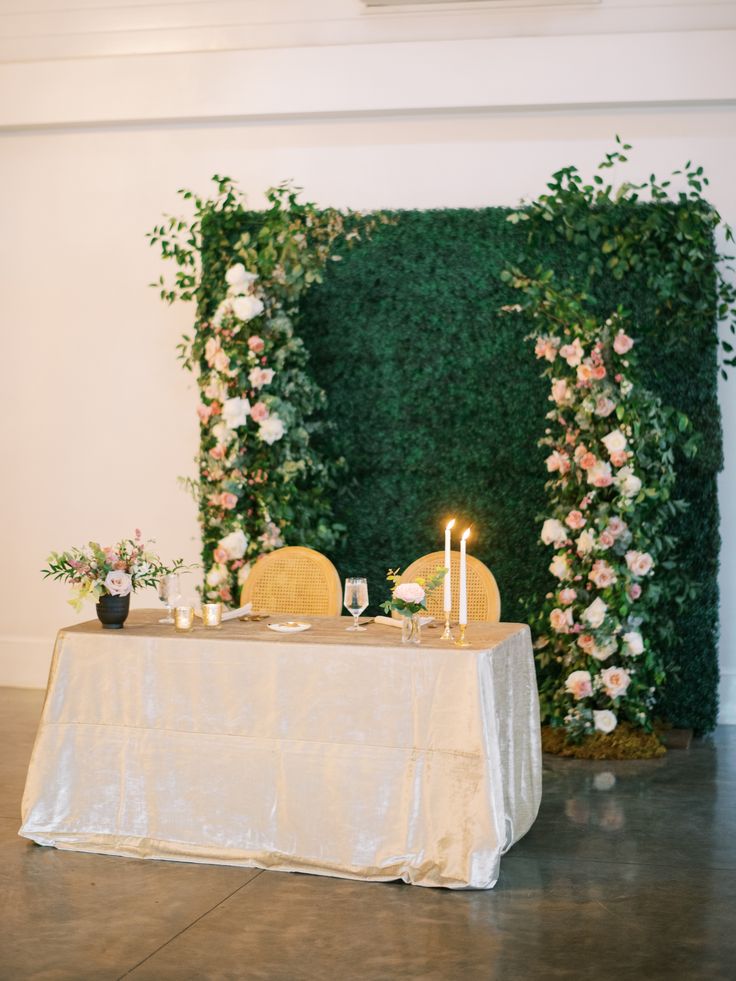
column 259, row 412
column 622, row 343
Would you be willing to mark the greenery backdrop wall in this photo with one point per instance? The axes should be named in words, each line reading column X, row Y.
column 435, row 400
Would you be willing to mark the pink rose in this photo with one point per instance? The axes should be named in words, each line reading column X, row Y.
column 617, row 527
column 615, row 681
column 579, row 684
column 218, row 452
column 561, row 620
column 220, row 556
column 567, row 596
column 605, row 539
column 225, row 594
column 587, row 461
column 585, row 374
column 210, row 350
column 575, row 520
column 635, row 591
column 600, row 474
column 604, row 406
column 546, row 347
column 409, row 592
column 622, row 343
column 602, row 575
column 560, row 390
column 204, row 412
column 599, row 372
column 256, row 344
column 259, row 412
column 639, row 563
column 118, row 583
column 572, row 353
column 228, row 500
column 586, row 642
column 619, row 458
column 258, row 377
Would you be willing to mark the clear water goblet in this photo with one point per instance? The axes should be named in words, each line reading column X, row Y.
column 356, row 599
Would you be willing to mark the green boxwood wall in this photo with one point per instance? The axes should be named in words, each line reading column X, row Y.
column 437, row 407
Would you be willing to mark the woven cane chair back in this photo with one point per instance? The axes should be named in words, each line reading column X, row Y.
column 294, row 580
column 484, row 599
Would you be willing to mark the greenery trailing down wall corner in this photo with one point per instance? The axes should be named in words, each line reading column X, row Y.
column 261, row 482
column 627, row 523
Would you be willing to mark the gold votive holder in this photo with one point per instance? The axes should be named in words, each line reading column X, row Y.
column 183, row 617
column 212, row 614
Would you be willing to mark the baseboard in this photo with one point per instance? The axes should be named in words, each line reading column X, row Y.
column 727, row 699
column 24, row 661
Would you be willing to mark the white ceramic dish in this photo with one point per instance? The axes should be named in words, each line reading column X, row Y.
column 289, row 627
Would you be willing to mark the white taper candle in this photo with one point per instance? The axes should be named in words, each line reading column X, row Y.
column 463, row 618
column 448, row 565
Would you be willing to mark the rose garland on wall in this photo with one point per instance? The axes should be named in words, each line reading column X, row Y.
column 611, row 464
column 262, row 483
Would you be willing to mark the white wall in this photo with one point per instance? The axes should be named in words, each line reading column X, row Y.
column 95, row 137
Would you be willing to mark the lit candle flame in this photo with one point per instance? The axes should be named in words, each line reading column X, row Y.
column 450, row 524
column 466, row 534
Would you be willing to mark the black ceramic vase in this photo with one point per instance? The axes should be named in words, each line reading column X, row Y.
column 112, row 611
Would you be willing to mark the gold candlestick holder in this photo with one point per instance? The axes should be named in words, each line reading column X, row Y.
column 462, row 642
column 447, row 633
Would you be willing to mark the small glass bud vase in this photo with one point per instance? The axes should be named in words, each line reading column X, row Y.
column 411, row 629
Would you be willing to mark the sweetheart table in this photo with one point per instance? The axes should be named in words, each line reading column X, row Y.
column 344, row 754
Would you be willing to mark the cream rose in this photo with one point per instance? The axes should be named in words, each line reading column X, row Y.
column 595, row 614
column 234, row 544
column 601, row 652
column 216, row 575
column 553, row 532
column 634, row 643
column 410, row 592
column 118, row 583
column 247, row 307
column 271, row 429
column 561, row 391
column 604, row 721
column 615, row 681
column 239, row 278
column 579, row 684
column 560, row 567
column 615, row 441
column 585, row 542
column 627, row 482
column 235, row 412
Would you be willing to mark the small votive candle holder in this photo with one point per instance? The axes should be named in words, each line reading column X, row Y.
column 183, row 617
column 212, row 614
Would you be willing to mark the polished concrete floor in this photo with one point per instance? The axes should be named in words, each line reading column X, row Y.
column 629, row 873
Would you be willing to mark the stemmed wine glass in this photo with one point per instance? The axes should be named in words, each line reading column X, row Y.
column 356, row 599
column 169, row 592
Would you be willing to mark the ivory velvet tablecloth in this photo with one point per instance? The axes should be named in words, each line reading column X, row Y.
column 327, row 752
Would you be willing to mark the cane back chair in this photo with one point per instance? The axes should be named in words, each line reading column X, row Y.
column 295, row 580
